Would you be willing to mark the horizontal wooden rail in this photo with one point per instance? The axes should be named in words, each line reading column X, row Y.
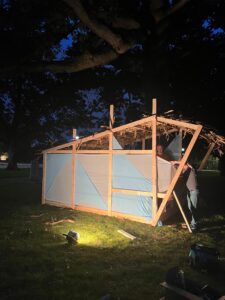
column 135, row 192
column 59, row 152
column 100, row 152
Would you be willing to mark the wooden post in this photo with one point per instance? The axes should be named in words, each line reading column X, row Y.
column 154, row 160
column 181, row 144
column 74, row 133
column 73, row 176
column 182, row 212
column 177, row 174
column 143, row 144
column 44, row 178
column 111, row 122
column 206, row 157
column 111, row 116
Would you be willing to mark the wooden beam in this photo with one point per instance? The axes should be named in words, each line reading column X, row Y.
column 123, row 127
column 91, row 210
column 132, row 151
column 74, row 133
column 110, row 174
column 177, row 123
column 181, row 141
column 129, row 217
column 182, row 212
column 73, row 169
column 111, row 121
column 58, row 147
column 133, row 124
column 126, row 126
column 143, row 144
column 111, row 116
column 154, row 160
column 44, row 178
column 135, row 192
column 113, row 152
column 177, row 174
column 206, row 157
column 56, row 203
column 92, row 151
column 80, row 141
column 60, row 151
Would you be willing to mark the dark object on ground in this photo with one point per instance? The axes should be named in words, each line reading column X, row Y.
column 72, row 237
column 221, row 165
column 106, row 297
column 178, row 287
column 203, row 257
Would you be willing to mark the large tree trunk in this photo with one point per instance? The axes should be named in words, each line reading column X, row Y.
column 12, row 163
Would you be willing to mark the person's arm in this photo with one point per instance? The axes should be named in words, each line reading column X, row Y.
column 186, row 166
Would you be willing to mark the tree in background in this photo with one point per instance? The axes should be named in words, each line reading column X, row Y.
column 121, row 52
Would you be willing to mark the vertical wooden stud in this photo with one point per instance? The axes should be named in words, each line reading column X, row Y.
column 111, row 116
column 73, row 169
column 181, row 142
column 143, row 144
column 74, row 133
column 111, row 122
column 154, row 159
column 44, row 178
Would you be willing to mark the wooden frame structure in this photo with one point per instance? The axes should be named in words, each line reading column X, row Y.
column 139, row 131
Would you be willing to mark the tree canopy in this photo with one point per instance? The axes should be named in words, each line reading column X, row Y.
column 63, row 61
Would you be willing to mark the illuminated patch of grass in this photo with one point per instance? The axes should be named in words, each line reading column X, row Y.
column 37, row 262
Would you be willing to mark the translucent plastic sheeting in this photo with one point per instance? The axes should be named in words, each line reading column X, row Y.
column 134, row 205
column 135, row 172
column 91, row 185
column 174, row 149
column 143, row 163
column 58, row 178
column 116, row 145
column 127, row 176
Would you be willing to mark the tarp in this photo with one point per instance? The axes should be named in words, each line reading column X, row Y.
column 129, row 172
column 91, row 180
column 59, row 178
column 174, row 149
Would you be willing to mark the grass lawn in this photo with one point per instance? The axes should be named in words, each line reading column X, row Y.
column 37, row 263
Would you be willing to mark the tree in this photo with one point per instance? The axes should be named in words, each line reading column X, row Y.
column 102, row 31
column 36, row 112
column 127, row 51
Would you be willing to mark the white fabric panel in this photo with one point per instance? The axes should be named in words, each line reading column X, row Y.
column 116, row 145
column 174, row 149
column 58, row 178
column 96, row 166
column 144, row 165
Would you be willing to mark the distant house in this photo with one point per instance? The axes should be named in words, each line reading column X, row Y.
column 4, row 156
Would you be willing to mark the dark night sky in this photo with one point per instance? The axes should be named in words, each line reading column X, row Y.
column 186, row 73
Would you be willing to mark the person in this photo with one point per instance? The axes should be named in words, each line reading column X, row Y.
column 161, row 153
column 187, row 185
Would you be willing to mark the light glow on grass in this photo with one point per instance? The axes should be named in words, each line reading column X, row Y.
column 96, row 238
